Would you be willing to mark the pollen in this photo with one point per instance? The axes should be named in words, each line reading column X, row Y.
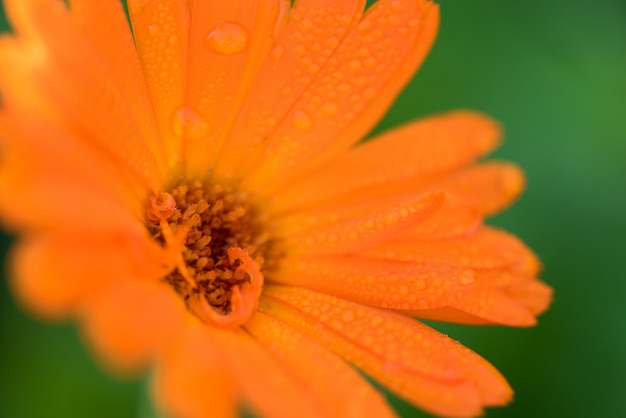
column 220, row 246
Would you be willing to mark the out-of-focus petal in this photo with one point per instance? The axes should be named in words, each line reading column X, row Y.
column 192, row 380
column 264, row 382
column 53, row 274
column 56, row 76
column 127, row 323
column 106, row 25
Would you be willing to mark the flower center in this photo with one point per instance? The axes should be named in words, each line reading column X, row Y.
column 218, row 244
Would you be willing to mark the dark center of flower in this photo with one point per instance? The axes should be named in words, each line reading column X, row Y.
column 218, row 247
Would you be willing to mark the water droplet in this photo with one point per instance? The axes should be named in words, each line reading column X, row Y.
column 136, row 7
column 153, row 30
column 278, row 52
column 467, row 277
column 364, row 24
column 301, row 120
column 173, row 39
column 228, row 38
column 347, row 316
column 188, row 122
column 354, row 65
column 330, row 108
column 287, row 91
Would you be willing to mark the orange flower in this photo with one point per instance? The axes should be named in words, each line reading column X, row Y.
column 194, row 196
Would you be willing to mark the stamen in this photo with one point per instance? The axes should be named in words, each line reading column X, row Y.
column 218, row 246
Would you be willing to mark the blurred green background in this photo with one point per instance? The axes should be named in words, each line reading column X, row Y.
column 554, row 73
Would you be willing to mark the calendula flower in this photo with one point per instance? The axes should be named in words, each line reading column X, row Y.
column 192, row 193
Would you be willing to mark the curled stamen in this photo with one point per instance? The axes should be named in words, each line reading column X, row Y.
column 244, row 296
column 214, row 245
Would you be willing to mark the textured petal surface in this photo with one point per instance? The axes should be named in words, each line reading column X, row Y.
column 261, row 378
column 374, row 226
column 161, row 32
column 352, row 90
column 336, row 385
column 420, row 150
column 488, row 248
column 228, row 42
column 409, row 287
column 416, row 362
column 305, row 38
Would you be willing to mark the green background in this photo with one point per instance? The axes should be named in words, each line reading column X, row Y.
column 554, row 73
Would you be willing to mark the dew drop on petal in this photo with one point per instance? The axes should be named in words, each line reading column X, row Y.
column 278, row 52
column 467, row 277
column 287, row 91
column 187, row 122
column 153, row 30
column 301, row 120
column 330, row 108
column 228, row 38
column 136, row 7
column 347, row 316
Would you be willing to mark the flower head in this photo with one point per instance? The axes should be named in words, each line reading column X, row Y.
column 192, row 192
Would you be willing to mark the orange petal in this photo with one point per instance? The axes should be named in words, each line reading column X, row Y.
column 404, row 286
column 488, row 248
column 352, row 91
column 535, row 295
column 422, row 149
column 451, row 221
column 161, row 32
column 128, row 322
column 411, row 359
column 263, row 381
column 192, row 380
column 44, row 167
column 365, row 230
column 304, row 38
column 54, row 76
column 336, row 385
column 486, row 188
column 106, row 24
column 228, row 42
column 478, row 303
column 52, row 274
column 346, row 208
